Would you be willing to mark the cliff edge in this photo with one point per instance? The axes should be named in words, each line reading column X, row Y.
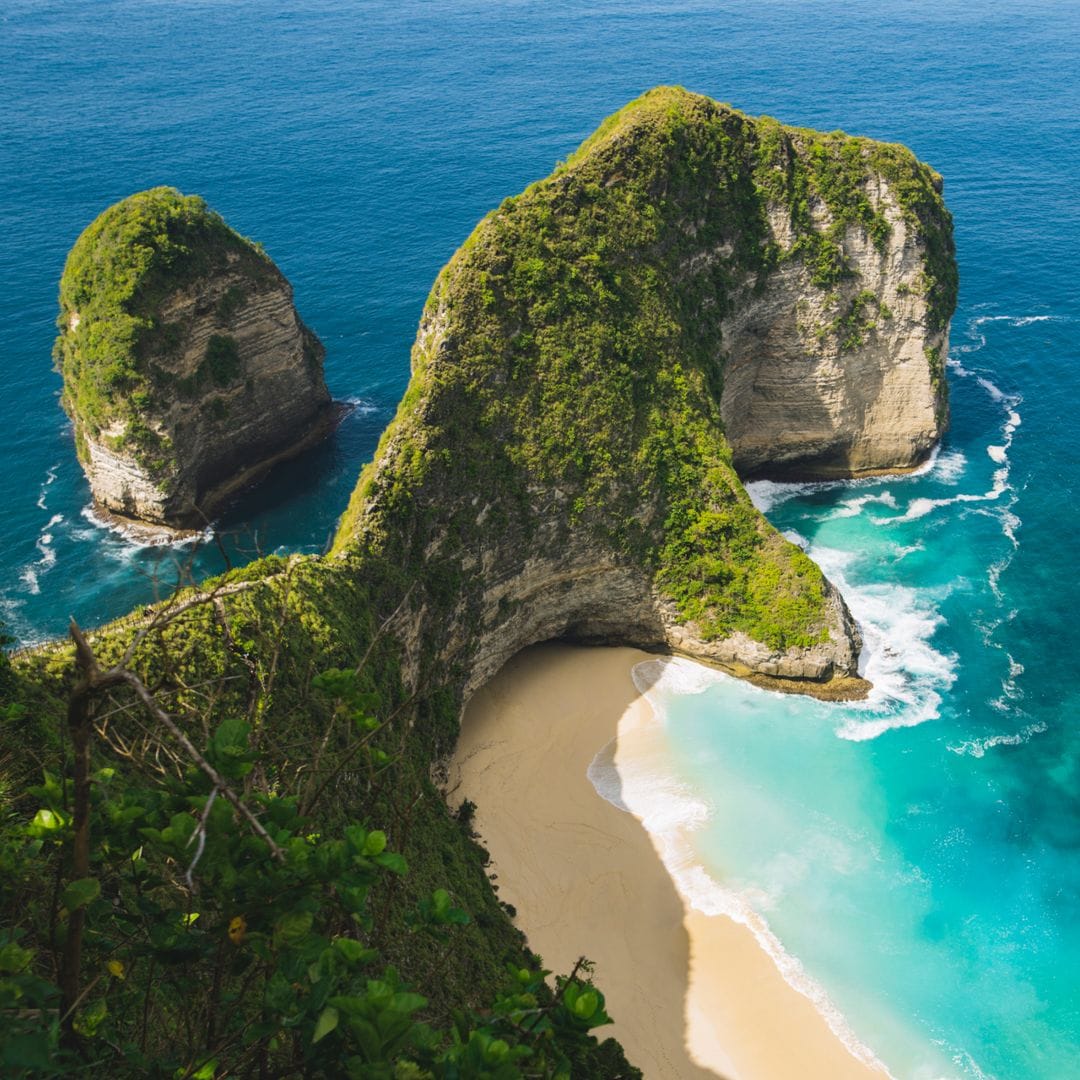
column 693, row 294
column 187, row 370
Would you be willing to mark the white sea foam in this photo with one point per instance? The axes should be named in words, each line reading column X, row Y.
column 30, row 575
column 854, row 507
column 672, row 675
column 138, row 538
column 670, row 813
column 908, row 674
column 996, row 394
column 949, row 467
column 767, row 494
column 902, row 551
column 999, row 483
column 50, row 479
column 363, row 406
column 976, row 335
column 978, row 747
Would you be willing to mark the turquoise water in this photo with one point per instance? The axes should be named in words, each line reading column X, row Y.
column 919, row 856
column 912, row 860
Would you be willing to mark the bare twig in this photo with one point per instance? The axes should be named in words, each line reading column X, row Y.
column 98, row 679
column 200, row 832
column 218, row 780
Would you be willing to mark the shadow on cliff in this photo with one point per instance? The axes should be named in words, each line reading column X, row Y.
column 324, row 473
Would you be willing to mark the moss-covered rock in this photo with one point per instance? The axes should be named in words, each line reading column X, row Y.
column 561, row 455
column 186, row 367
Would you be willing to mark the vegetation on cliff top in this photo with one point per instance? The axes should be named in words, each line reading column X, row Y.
column 111, row 329
column 573, row 344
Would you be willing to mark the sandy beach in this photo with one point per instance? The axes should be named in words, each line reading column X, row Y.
column 692, row 996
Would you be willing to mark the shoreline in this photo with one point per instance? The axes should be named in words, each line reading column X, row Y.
column 693, row 996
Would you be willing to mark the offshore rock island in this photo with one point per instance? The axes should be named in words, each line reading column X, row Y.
column 693, row 293
column 187, row 371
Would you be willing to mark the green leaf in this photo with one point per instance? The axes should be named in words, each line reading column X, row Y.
column 352, row 950
column 88, row 1020
column 14, row 959
column 326, row 1023
column 45, row 821
column 356, row 836
column 293, row 927
column 375, row 843
column 407, row 1003
column 335, row 683
column 392, row 861
column 79, row 893
column 231, row 733
column 496, row 1052
column 585, row 1005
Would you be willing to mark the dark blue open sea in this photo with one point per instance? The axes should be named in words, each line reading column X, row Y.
column 913, row 862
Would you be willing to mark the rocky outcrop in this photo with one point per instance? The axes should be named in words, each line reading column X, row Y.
column 188, row 371
column 841, row 382
column 693, row 289
column 578, row 591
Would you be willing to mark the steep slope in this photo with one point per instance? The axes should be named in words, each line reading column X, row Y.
column 837, row 368
column 560, row 458
column 187, row 370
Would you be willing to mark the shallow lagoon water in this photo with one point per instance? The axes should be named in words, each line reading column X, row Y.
column 917, row 856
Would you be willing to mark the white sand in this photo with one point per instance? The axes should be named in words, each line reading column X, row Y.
column 693, row 996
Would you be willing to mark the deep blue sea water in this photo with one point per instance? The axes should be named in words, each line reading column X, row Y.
column 919, row 856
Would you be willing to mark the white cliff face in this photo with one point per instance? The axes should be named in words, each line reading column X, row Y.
column 238, row 385
column 842, row 381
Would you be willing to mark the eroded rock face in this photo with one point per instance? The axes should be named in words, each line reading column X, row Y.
column 211, row 377
column 693, row 294
column 805, row 397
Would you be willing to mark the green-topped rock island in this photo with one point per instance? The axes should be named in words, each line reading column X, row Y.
column 187, row 370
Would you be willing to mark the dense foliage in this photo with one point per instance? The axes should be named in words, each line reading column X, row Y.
column 306, row 947
column 112, row 331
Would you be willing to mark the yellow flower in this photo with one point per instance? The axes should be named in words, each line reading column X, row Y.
column 237, row 929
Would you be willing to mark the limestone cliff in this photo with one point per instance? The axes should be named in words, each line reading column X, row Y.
column 694, row 291
column 187, row 370
column 590, row 369
column 840, row 372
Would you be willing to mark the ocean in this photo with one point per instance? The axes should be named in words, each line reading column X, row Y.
column 913, row 862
